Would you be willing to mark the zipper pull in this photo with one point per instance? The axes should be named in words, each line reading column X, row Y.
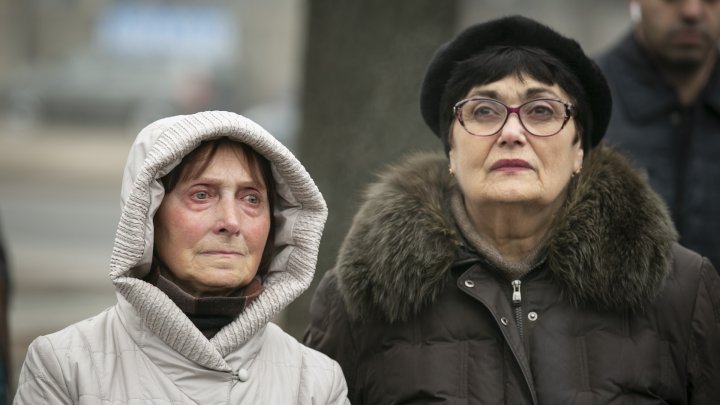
column 516, row 296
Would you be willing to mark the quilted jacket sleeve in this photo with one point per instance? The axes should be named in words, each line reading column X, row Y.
column 704, row 359
column 41, row 378
column 322, row 381
column 338, row 392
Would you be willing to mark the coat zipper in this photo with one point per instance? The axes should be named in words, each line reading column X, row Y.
column 517, row 309
column 517, row 306
column 518, row 313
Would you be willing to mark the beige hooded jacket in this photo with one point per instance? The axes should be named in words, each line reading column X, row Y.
column 144, row 350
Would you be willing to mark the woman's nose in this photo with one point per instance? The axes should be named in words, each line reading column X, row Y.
column 513, row 132
column 228, row 217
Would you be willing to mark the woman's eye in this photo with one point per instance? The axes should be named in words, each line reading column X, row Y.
column 252, row 199
column 541, row 112
column 483, row 112
column 200, row 195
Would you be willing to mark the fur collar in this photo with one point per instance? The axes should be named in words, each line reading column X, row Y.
column 609, row 247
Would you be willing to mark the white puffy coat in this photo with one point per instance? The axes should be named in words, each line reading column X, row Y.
column 144, row 350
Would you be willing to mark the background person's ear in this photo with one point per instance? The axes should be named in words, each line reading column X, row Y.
column 635, row 12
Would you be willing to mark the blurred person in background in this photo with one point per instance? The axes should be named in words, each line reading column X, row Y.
column 219, row 231
column 4, row 326
column 665, row 81
column 529, row 264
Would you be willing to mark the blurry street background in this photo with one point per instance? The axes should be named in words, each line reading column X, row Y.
column 337, row 81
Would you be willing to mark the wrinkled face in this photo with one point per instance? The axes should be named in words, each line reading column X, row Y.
column 680, row 33
column 210, row 231
column 513, row 166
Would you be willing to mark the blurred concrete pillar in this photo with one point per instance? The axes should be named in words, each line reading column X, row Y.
column 363, row 66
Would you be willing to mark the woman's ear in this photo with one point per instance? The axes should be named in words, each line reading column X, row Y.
column 579, row 155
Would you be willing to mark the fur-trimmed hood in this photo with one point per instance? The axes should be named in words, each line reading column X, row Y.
column 609, row 247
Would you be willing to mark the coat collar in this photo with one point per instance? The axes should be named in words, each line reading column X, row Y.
column 188, row 376
column 609, row 247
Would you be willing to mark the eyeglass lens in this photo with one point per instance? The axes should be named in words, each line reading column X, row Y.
column 542, row 117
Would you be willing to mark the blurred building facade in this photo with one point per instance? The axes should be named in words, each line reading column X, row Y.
column 162, row 57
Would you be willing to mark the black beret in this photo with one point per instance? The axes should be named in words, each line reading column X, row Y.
column 516, row 31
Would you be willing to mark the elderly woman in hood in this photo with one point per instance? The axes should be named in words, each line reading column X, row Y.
column 219, row 231
column 528, row 265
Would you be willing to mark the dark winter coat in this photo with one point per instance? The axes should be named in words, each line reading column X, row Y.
column 677, row 147
column 616, row 313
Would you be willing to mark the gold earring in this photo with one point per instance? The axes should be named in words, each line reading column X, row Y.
column 450, row 170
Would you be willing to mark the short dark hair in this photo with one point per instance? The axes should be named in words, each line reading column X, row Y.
column 497, row 62
column 195, row 162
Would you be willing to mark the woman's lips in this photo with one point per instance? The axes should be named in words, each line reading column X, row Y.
column 222, row 253
column 510, row 165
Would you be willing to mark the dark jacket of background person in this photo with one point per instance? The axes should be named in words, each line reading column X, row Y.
column 678, row 147
column 413, row 314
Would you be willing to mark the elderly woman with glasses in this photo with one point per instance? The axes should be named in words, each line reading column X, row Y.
column 528, row 264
